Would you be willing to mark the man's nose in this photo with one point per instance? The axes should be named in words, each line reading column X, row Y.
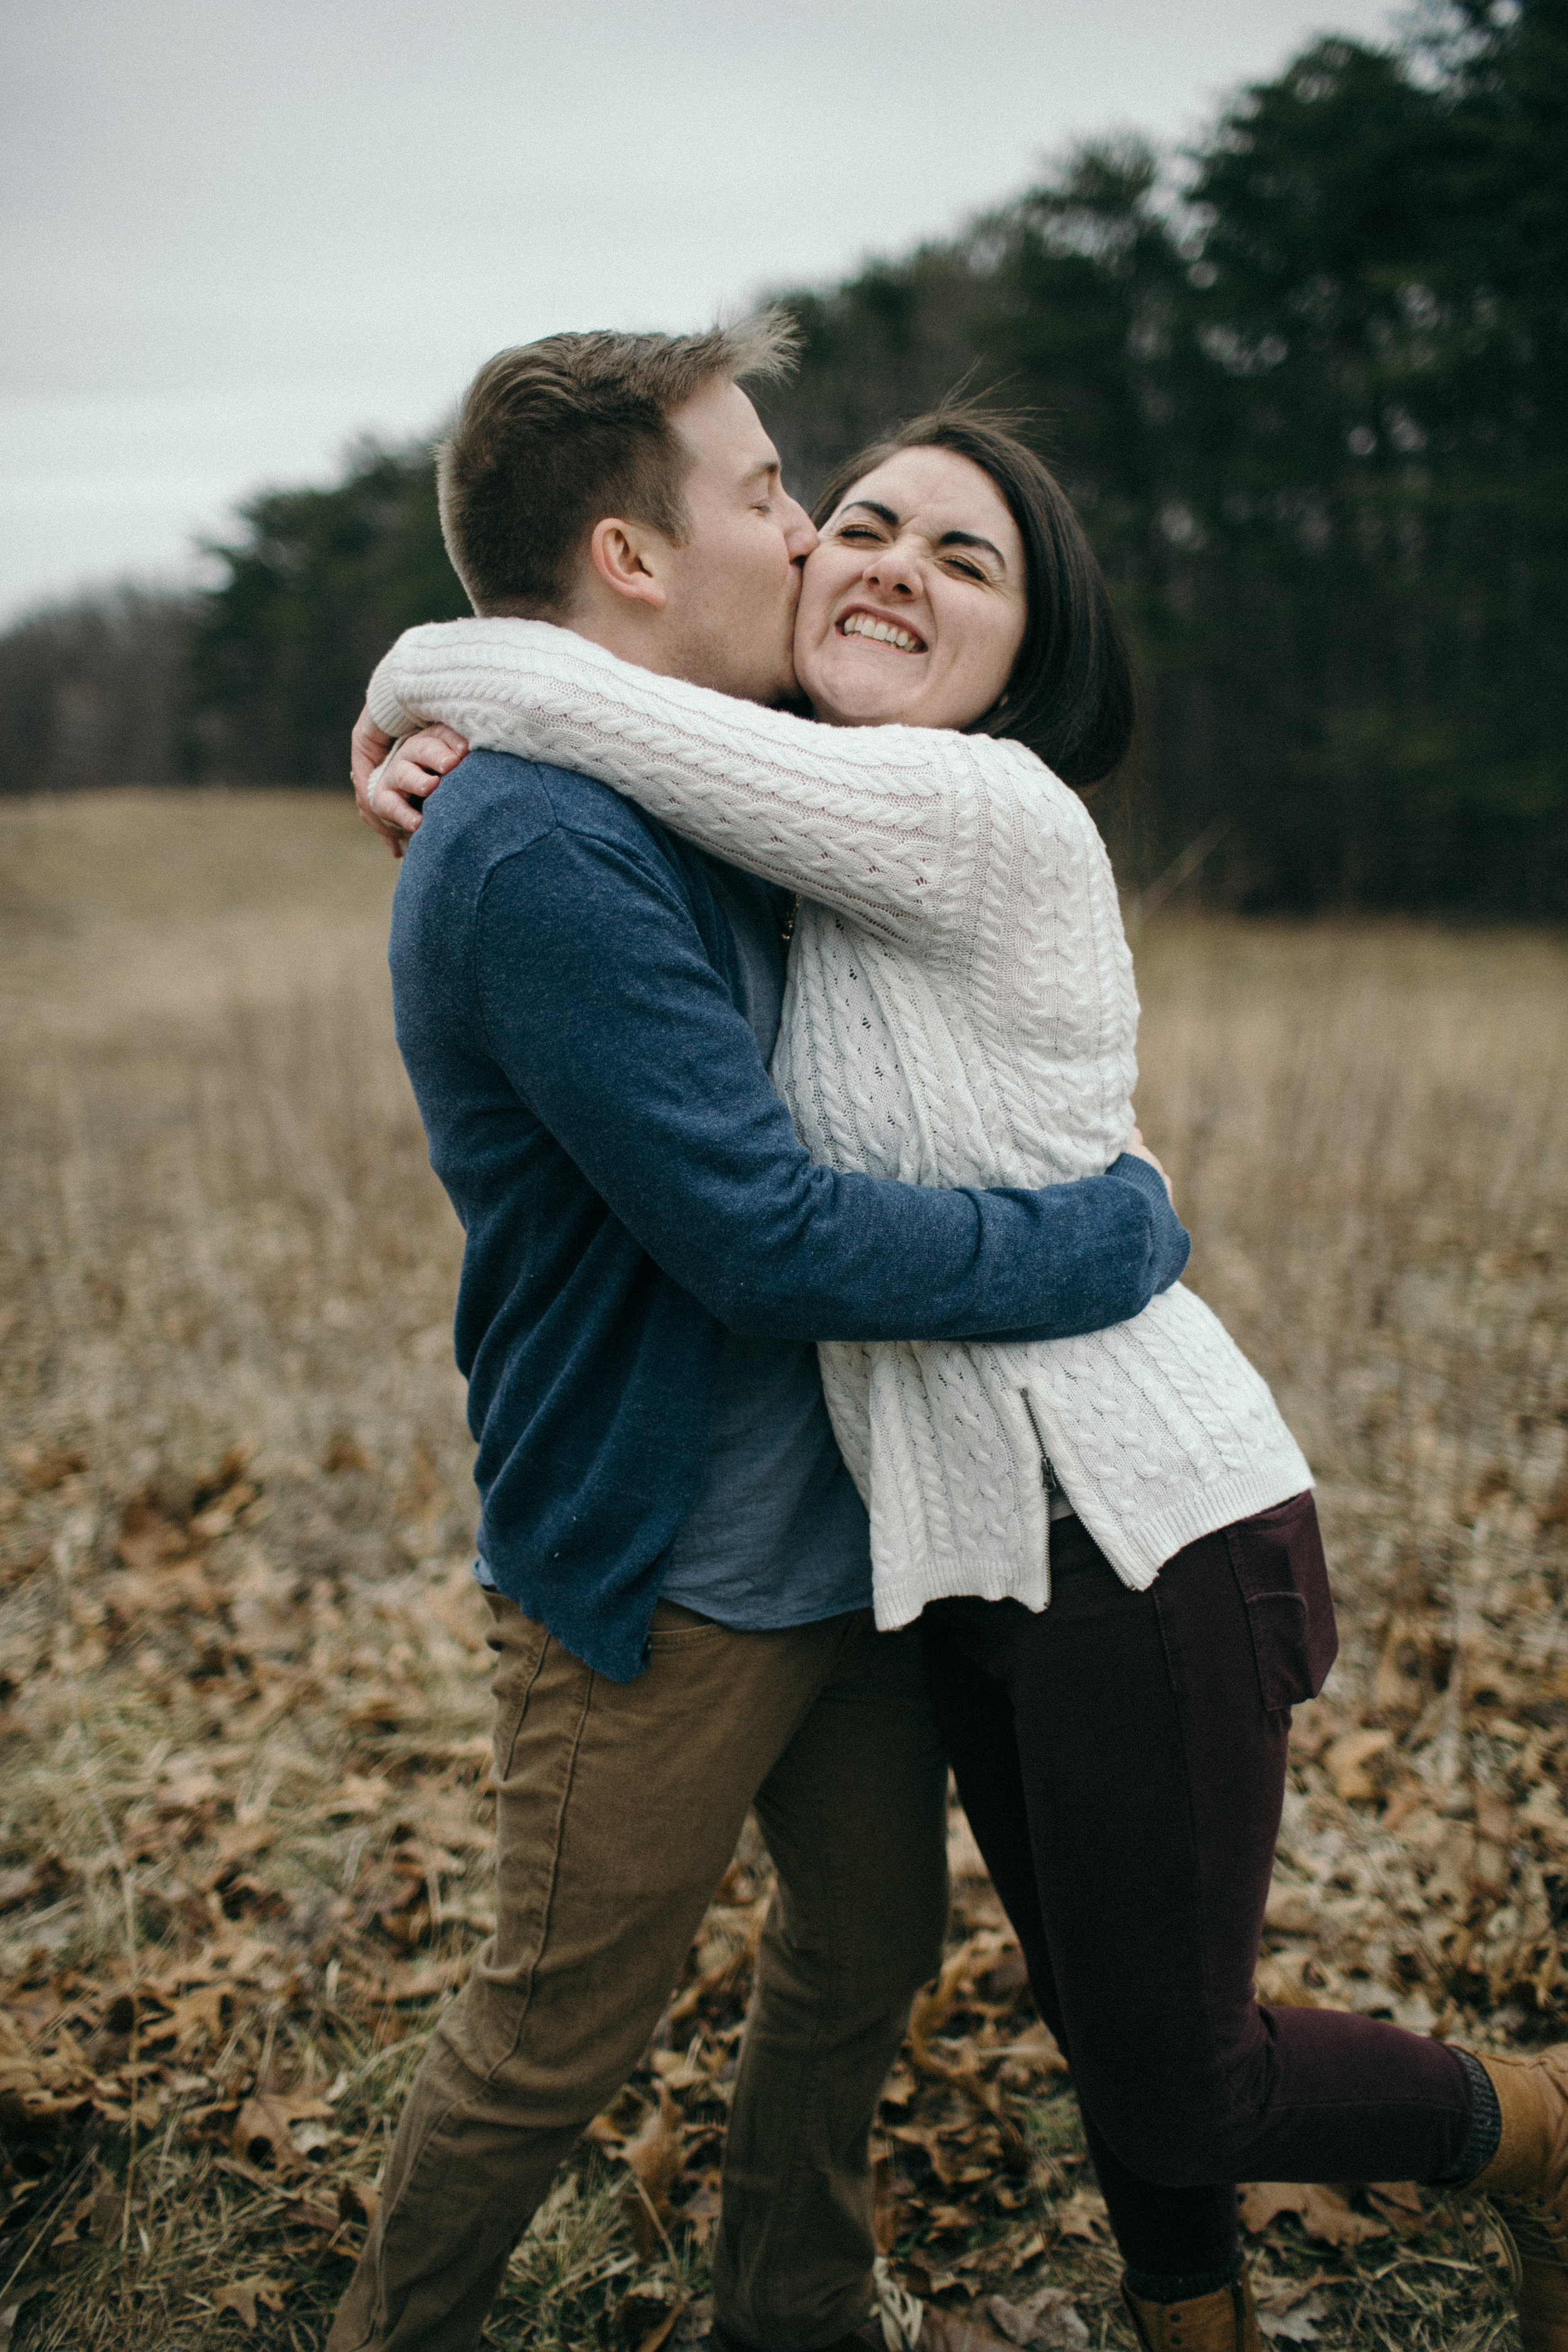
column 800, row 531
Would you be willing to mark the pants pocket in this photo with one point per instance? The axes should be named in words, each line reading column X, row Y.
column 1283, row 1579
column 520, row 1644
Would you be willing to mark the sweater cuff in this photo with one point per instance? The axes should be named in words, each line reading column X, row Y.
column 1171, row 1242
column 381, row 701
column 1131, row 1168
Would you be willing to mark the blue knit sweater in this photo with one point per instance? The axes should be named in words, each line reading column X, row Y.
column 567, row 1005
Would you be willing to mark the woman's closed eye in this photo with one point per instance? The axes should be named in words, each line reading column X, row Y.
column 866, row 534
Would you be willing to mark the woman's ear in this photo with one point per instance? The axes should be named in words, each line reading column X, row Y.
column 626, row 557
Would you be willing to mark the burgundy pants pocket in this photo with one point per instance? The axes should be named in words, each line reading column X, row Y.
column 1277, row 1560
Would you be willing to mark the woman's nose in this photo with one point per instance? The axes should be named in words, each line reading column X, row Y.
column 894, row 571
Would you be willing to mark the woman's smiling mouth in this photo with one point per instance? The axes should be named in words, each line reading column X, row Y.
column 887, row 633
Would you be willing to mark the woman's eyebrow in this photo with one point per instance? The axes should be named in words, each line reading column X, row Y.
column 882, row 513
column 971, row 538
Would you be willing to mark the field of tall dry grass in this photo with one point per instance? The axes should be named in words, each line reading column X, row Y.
column 243, row 1837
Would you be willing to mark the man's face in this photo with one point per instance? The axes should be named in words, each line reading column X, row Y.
column 734, row 581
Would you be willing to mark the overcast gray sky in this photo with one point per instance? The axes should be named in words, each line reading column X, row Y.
column 238, row 232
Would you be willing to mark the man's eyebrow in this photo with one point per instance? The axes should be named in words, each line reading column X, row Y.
column 947, row 538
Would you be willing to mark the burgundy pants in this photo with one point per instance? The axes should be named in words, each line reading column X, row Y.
column 1121, row 1759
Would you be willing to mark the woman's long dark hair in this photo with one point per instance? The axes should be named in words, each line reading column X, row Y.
column 1072, row 697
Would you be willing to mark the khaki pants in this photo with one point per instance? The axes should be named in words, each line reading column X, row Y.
column 618, row 1808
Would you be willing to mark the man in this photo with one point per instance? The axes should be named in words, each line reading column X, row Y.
column 677, row 1561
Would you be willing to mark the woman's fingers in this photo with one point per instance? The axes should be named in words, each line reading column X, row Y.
column 395, row 794
column 415, row 768
column 396, row 841
column 436, row 749
column 1136, row 1145
column 392, row 781
column 368, row 746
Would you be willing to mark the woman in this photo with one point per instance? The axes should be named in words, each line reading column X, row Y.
column 1108, row 1542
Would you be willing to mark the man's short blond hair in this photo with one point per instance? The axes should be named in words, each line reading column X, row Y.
column 554, row 435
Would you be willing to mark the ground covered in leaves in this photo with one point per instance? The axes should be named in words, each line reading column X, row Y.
column 242, row 1718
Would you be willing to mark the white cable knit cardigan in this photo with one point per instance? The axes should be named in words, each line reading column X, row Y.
column 960, row 1009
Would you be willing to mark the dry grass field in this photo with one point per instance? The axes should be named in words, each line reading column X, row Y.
column 242, row 1746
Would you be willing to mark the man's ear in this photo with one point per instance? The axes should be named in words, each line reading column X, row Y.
column 627, row 558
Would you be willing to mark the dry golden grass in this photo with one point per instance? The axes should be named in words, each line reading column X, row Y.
column 242, row 1817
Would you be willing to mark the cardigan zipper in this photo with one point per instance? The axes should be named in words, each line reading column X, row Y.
column 1048, row 1478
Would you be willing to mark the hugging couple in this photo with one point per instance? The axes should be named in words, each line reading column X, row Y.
column 842, row 1425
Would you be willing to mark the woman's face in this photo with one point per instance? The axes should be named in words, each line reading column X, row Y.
column 913, row 606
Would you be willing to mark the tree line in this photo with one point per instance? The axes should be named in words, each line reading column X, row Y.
column 1312, row 404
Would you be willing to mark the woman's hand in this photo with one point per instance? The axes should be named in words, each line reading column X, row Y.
column 390, row 797
column 1137, row 1145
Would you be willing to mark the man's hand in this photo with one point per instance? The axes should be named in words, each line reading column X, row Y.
column 1136, row 1145
column 392, row 805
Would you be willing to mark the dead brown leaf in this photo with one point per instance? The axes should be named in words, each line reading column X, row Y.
column 1081, row 2215
column 1261, row 2201
column 262, row 2129
column 933, row 2006
column 927, row 2137
column 244, row 2295
column 1399, row 2201
column 654, row 2155
column 1324, row 2213
column 94, row 2222
column 35, row 2088
column 1347, row 1760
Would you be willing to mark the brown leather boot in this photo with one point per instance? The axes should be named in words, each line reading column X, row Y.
column 1225, row 2321
column 1526, row 2184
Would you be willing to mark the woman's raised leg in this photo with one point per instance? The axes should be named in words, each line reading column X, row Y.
column 1149, row 1734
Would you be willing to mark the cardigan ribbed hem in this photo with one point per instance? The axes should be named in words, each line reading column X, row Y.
column 1137, row 1551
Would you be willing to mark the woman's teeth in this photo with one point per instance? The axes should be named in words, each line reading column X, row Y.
column 861, row 624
